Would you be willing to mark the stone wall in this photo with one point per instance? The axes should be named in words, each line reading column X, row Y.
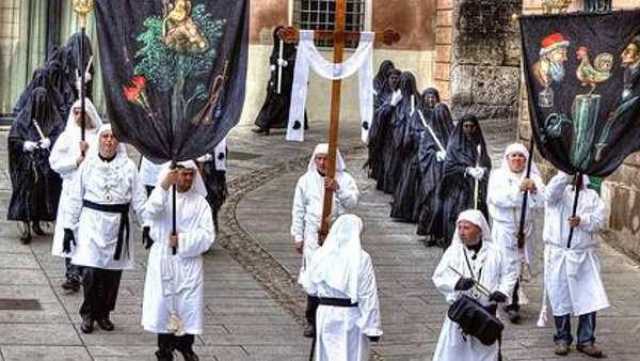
column 8, row 9
column 621, row 190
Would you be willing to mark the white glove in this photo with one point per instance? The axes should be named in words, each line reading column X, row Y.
column 441, row 155
column 29, row 146
column 87, row 79
column 45, row 143
column 283, row 63
column 396, row 97
column 479, row 173
column 205, row 158
column 273, row 68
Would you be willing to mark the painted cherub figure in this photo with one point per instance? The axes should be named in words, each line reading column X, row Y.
column 180, row 32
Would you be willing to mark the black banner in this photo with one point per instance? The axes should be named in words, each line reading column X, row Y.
column 174, row 72
column 583, row 80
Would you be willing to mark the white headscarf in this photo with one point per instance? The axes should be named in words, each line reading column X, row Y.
column 518, row 148
column 198, row 182
column 323, row 148
column 475, row 217
column 337, row 262
column 122, row 148
column 91, row 112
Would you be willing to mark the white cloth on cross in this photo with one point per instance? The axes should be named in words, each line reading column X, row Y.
column 307, row 57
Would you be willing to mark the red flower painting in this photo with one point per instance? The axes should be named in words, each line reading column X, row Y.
column 134, row 92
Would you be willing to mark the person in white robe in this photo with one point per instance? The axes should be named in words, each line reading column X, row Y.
column 507, row 185
column 103, row 191
column 473, row 255
column 67, row 155
column 341, row 275
column 173, row 304
column 572, row 274
column 149, row 173
column 307, row 209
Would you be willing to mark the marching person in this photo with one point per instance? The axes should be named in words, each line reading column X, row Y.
column 173, row 302
column 307, row 209
column 572, row 273
column 104, row 189
column 341, row 275
column 507, row 185
column 68, row 153
column 480, row 262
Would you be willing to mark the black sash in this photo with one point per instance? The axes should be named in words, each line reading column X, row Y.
column 337, row 302
column 123, row 210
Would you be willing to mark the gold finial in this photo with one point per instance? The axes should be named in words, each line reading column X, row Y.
column 83, row 8
column 555, row 6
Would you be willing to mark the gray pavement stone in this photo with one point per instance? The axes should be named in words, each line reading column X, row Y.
column 45, row 353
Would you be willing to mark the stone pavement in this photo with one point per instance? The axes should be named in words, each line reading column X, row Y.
column 253, row 307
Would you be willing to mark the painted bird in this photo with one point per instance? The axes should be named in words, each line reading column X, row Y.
column 591, row 75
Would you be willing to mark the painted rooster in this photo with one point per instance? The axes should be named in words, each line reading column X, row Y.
column 592, row 74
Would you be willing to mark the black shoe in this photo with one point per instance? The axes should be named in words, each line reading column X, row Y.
column 35, row 226
column 71, row 286
column 87, row 325
column 258, row 130
column 25, row 237
column 105, row 324
column 514, row 316
column 562, row 349
column 164, row 355
column 190, row 356
column 309, row 331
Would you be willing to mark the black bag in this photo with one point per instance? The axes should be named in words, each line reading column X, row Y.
column 475, row 320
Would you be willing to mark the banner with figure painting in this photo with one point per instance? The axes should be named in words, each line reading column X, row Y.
column 583, row 81
column 174, row 72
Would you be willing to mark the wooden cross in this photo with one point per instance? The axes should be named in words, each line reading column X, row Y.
column 339, row 37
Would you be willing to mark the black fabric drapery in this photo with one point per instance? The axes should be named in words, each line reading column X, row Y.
column 583, row 81
column 176, row 72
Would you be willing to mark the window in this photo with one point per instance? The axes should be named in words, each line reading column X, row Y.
column 597, row 6
column 320, row 15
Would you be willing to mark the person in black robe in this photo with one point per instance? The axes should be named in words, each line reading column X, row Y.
column 35, row 187
column 275, row 110
column 380, row 144
column 73, row 63
column 466, row 166
column 397, row 113
column 215, row 180
column 431, row 160
column 382, row 91
column 43, row 77
column 407, row 132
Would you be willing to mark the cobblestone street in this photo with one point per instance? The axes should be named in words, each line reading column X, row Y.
column 253, row 305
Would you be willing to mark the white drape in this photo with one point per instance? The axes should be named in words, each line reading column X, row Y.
column 307, row 57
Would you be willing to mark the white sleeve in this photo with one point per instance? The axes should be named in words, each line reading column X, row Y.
column 156, row 204
column 74, row 202
column 368, row 303
column 198, row 240
column 444, row 278
column 501, row 194
column 60, row 158
column 347, row 194
column 298, row 212
column 555, row 189
column 536, row 200
column 138, row 196
column 593, row 218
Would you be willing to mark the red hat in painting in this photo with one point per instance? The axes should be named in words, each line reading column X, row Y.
column 552, row 42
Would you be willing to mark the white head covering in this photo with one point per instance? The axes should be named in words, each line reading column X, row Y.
column 337, row 262
column 198, row 182
column 91, row 112
column 323, row 148
column 475, row 217
column 518, row 148
column 122, row 148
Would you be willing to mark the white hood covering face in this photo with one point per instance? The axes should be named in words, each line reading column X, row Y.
column 91, row 112
column 475, row 217
column 337, row 262
column 323, row 148
column 518, row 148
column 198, row 182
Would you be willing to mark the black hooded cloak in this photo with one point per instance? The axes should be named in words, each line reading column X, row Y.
column 456, row 190
column 215, row 181
column 45, row 78
column 407, row 131
column 35, row 187
column 73, row 63
column 378, row 133
column 275, row 110
column 431, row 171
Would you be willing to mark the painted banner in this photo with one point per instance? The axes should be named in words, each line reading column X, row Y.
column 583, row 81
column 174, row 72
